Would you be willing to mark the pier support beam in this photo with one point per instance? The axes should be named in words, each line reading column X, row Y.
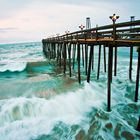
column 90, row 63
column 60, row 55
column 110, row 54
column 115, row 62
column 138, row 127
column 64, row 58
column 104, row 58
column 73, row 55
column 93, row 58
column 83, row 55
column 69, row 53
column 137, row 77
column 99, row 60
column 130, row 63
column 78, row 54
column 86, row 57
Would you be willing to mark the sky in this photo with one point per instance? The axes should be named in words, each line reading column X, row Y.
column 33, row 20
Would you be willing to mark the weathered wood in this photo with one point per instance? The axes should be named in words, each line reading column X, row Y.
column 74, row 52
column 130, row 63
column 93, row 58
column 115, row 61
column 64, row 57
column 99, row 60
column 110, row 54
column 137, row 77
column 90, row 63
column 86, row 58
column 60, row 55
column 138, row 126
column 104, row 58
column 83, row 55
column 69, row 53
column 79, row 72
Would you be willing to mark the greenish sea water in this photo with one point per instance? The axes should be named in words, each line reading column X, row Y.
column 39, row 102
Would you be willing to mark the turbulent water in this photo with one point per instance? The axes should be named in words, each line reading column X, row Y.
column 38, row 102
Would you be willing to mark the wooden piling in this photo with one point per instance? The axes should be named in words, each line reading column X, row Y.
column 115, row 61
column 86, row 58
column 137, row 77
column 83, row 55
column 57, row 53
column 64, row 58
column 90, row 63
column 60, row 54
column 110, row 54
column 104, row 58
column 99, row 60
column 74, row 52
column 69, row 53
column 130, row 63
column 138, row 126
column 78, row 52
column 93, row 58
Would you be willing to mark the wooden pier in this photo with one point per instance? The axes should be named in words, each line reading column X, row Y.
column 78, row 47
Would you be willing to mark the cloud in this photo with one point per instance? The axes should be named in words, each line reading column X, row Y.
column 7, row 29
column 36, row 19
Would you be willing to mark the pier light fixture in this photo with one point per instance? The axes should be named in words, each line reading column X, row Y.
column 67, row 32
column 114, row 18
column 81, row 27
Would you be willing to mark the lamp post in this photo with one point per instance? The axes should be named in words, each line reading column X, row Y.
column 114, row 18
column 81, row 27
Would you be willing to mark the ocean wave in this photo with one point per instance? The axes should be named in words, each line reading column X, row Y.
column 13, row 67
column 35, row 118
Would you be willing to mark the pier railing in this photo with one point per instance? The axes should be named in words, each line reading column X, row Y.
column 118, row 32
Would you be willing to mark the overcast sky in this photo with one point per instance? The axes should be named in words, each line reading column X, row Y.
column 32, row 20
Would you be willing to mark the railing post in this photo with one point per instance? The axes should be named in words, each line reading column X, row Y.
column 96, row 32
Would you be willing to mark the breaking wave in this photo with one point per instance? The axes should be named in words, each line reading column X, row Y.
column 13, row 67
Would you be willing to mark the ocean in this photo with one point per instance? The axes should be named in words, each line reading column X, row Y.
column 39, row 102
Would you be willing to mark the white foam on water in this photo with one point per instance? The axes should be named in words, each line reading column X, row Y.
column 24, row 118
column 13, row 66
